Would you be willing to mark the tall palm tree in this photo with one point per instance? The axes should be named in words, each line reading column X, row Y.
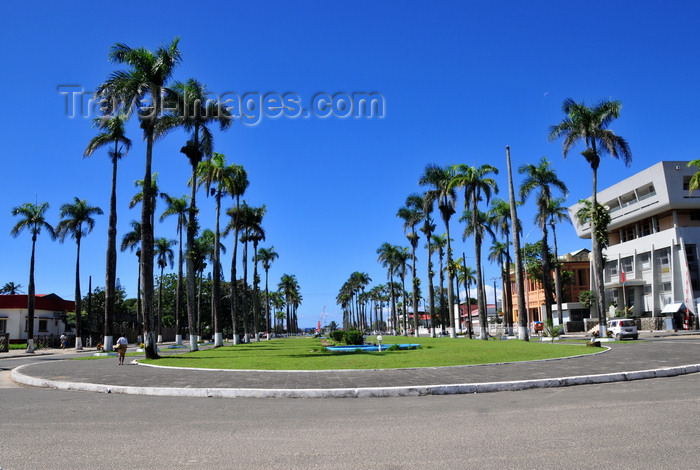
column 478, row 185
column 195, row 113
column 164, row 256
column 239, row 185
column 412, row 214
column 387, row 258
column 443, row 193
column 401, row 259
column 177, row 206
column 428, row 228
column 500, row 215
column 590, row 126
column 498, row 253
column 478, row 225
column 267, row 256
column 288, row 286
column 77, row 221
column 557, row 213
column 113, row 133
column 10, row 288
column 32, row 218
column 541, row 179
column 249, row 220
column 132, row 241
column 203, row 252
column 439, row 242
column 145, row 79
column 219, row 180
column 467, row 276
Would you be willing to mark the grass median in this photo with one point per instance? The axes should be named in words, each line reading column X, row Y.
column 309, row 354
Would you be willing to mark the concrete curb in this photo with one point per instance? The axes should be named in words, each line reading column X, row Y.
column 451, row 389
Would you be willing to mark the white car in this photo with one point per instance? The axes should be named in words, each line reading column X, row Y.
column 623, row 328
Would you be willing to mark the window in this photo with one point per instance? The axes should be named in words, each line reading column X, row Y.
column 626, row 264
column 43, row 326
column 666, row 287
column 645, row 227
column 3, row 326
column 646, row 191
column 647, row 289
column 644, row 261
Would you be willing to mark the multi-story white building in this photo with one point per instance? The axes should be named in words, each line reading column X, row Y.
column 652, row 258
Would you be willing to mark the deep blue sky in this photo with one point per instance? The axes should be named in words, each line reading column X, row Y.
column 461, row 80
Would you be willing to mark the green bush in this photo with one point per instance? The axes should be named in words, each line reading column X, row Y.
column 353, row 337
column 394, row 347
column 336, row 336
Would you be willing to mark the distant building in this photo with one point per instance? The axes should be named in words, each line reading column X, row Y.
column 652, row 258
column 49, row 312
column 572, row 311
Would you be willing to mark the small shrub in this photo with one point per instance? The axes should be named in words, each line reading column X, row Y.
column 336, row 336
column 353, row 338
column 394, row 347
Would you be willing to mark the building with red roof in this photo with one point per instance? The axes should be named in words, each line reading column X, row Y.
column 49, row 312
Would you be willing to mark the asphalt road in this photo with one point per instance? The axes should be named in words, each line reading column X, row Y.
column 641, row 424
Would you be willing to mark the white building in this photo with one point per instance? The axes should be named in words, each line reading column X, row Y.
column 652, row 257
column 49, row 312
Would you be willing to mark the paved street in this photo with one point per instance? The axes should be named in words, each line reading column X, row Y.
column 631, row 424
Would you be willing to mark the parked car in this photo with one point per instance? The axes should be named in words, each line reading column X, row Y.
column 623, row 328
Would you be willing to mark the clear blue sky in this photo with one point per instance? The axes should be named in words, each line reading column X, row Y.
column 460, row 80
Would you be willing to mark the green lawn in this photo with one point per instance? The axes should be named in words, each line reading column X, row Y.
column 308, row 354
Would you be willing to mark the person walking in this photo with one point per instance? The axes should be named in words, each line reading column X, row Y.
column 64, row 340
column 122, row 343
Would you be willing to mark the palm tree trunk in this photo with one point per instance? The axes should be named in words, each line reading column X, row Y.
column 598, row 259
column 245, row 291
column 508, row 319
column 159, row 331
column 178, row 289
column 189, row 262
column 450, row 290
column 78, row 299
column 431, row 289
column 546, row 275
column 111, row 272
column 216, row 284
column 255, row 290
column 415, row 292
column 234, row 282
column 267, row 307
column 523, row 333
column 31, row 300
column 557, row 278
column 405, row 314
column 146, row 259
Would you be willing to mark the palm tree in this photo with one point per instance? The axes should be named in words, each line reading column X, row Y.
column 177, row 206
column 145, row 78
column 477, row 184
column 266, row 257
column 10, row 288
column 203, row 251
column 412, row 214
column 500, row 215
column 164, row 256
column 239, row 185
column 498, row 254
column 477, row 226
column 443, row 193
column 288, row 286
column 694, row 182
column 428, row 228
column 196, row 112
column 155, row 192
column 467, row 276
column 132, row 241
column 541, row 179
column 77, row 221
column 249, row 220
column 439, row 242
column 215, row 172
column 590, row 126
column 557, row 213
column 401, row 259
column 32, row 218
column 387, row 258
column 113, row 134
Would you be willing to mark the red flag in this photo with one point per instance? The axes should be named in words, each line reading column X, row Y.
column 622, row 277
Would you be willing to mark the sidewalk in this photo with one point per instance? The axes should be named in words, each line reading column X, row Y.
column 662, row 355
